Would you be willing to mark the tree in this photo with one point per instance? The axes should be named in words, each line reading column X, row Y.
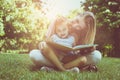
column 22, row 23
column 108, row 15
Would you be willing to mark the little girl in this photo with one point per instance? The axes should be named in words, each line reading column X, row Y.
column 62, row 33
column 62, row 36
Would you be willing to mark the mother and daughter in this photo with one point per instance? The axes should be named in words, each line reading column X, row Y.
column 81, row 30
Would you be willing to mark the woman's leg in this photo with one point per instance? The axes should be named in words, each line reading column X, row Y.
column 37, row 57
column 94, row 58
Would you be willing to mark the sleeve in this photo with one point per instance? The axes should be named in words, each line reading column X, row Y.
column 54, row 38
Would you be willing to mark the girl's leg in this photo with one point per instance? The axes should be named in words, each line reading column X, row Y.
column 50, row 54
column 37, row 57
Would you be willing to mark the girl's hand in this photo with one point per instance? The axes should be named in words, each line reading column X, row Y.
column 75, row 52
column 42, row 45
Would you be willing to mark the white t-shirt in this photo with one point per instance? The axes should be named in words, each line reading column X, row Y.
column 69, row 41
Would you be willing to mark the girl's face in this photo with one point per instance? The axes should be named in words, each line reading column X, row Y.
column 62, row 31
column 78, row 23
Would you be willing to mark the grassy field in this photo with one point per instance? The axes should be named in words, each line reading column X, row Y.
column 19, row 67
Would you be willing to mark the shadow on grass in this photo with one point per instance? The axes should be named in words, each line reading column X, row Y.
column 34, row 68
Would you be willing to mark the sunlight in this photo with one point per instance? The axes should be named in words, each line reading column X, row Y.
column 60, row 7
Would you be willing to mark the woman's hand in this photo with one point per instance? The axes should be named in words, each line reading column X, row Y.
column 75, row 52
column 92, row 49
column 87, row 51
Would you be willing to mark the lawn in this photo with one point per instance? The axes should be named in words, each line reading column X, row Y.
column 20, row 67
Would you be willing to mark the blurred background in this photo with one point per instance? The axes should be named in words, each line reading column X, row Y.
column 23, row 23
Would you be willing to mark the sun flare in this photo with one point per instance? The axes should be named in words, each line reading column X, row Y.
column 60, row 7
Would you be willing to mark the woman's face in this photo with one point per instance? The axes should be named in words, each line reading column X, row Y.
column 78, row 23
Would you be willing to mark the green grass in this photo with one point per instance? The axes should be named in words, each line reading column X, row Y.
column 19, row 67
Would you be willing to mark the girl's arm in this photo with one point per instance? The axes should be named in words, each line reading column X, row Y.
column 50, row 54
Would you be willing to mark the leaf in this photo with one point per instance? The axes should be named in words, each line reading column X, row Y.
column 2, row 29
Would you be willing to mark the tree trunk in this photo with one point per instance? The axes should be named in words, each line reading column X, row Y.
column 116, row 38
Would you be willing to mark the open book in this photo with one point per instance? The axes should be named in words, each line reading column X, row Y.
column 66, row 48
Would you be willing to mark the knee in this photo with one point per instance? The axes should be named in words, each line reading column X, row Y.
column 35, row 55
column 38, row 58
column 97, row 56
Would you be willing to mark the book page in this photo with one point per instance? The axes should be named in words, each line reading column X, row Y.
column 59, row 46
column 78, row 47
column 66, row 48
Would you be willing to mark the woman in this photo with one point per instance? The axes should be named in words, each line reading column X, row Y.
column 83, row 29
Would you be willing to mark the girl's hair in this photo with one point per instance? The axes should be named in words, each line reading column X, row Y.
column 54, row 23
column 59, row 21
column 90, row 22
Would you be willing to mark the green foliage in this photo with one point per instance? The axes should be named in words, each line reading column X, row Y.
column 20, row 67
column 107, row 49
column 22, row 22
column 108, row 18
column 2, row 29
column 73, row 13
column 106, row 11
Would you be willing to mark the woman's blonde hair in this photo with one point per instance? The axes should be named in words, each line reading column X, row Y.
column 90, row 22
